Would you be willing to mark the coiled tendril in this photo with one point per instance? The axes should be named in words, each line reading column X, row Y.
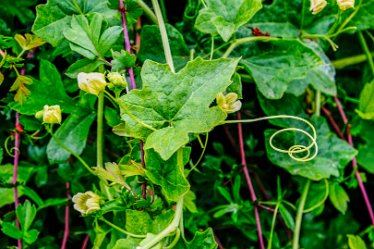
column 293, row 150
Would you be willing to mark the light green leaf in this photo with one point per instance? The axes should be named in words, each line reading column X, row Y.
column 202, row 240
column 83, row 65
column 168, row 174
column 366, row 109
column 174, row 103
column 189, row 201
column 122, row 60
column 85, row 39
column 73, row 134
column 26, row 213
column 282, row 65
column 31, row 236
column 338, row 197
column 128, row 243
column 138, row 222
column 365, row 156
column 54, row 17
column 49, row 90
column 287, row 216
column 11, row 230
column 355, row 242
column 151, row 46
column 226, row 16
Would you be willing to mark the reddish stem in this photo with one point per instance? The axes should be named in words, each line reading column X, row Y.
column 249, row 182
column 354, row 162
column 132, row 77
column 137, row 38
column 220, row 246
column 85, row 242
column 333, row 123
column 127, row 41
column 67, row 215
column 17, row 139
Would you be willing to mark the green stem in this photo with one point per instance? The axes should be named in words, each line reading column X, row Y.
column 70, row 151
column 242, row 41
column 346, row 21
column 367, row 51
column 302, row 15
column 345, row 62
column 100, row 133
column 273, row 225
column 169, row 229
column 299, row 216
column 322, row 201
column 212, row 49
column 121, row 230
column 164, row 36
column 318, row 103
column 148, row 11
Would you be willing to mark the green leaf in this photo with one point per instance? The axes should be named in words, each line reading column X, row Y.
column 189, row 202
column 54, row 17
column 122, row 60
column 151, row 46
column 128, row 243
column 32, row 195
column 83, row 65
column 31, row 236
column 1, row 155
column 138, row 222
column 226, row 16
column 202, row 240
column 366, row 108
column 26, row 213
column 355, row 242
column 364, row 18
column 365, row 156
column 338, row 197
column 85, row 39
column 282, row 65
column 287, row 216
column 168, row 174
column 6, row 173
column 73, row 134
column 49, row 90
column 11, row 230
column 174, row 103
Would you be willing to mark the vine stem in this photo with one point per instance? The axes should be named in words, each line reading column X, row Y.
column 367, row 51
column 299, row 215
column 164, row 36
column 147, row 11
column 85, row 241
column 352, row 60
column 67, row 214
column 354, row 162
column 127, row 41
column 242, row 41
column 249, row 182
column 100, row 134
column 17, row 138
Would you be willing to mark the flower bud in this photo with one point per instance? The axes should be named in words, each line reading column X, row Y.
column 92, row 83
column 117, row 79
column 346, row 4
column 50, row 114
column 228, row 103
column 87, row 202
column 317, row 6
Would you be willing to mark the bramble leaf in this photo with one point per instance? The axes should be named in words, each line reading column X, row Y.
column 85, row 36
column 54, row 17
column 19, row 86
column 288, row 65
column 122, row 60
column 226, row 16
column 28, row 41
column 173, row 103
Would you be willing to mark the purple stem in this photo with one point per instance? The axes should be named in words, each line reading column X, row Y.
column 67, row 214
column 354, row 162
column 132, row 78
column 249, row 182
column 127, row 41
column 17, row 139
column 85, row 242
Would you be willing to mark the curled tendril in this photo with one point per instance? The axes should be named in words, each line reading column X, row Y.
column 7, row 150
column 293, row 150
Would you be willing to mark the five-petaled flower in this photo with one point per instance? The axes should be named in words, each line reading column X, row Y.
column 93, row 83
column 317, row 6
column 50, row 114
column 87, row 202
column 228, row 103
column 346, row 4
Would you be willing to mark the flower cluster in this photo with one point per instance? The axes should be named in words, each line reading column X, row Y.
column 317, row 6
column 50, row 114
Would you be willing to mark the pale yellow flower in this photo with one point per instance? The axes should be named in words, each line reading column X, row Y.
column 87, row 202
column 228, row 103
column 92, row 83
column 50, row 114
column 317, row 6
column 346, row 4
column 117, row 79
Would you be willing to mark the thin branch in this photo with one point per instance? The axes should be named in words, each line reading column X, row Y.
column 249, row 182
column 333, row 122
column 85, row 241
column 17, row 138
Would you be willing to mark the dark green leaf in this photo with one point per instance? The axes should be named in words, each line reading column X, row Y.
column 122, row 60
column 338, row 197
column 365, row 155
column 42, row 94
column 174, row 103
column 287, row 216
column 226, row 16
column 83, row 65
column 32, row 195
column 366, row 109
column 202, row 240
column 151, row 46
column 73, row 134
column 168, row 174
